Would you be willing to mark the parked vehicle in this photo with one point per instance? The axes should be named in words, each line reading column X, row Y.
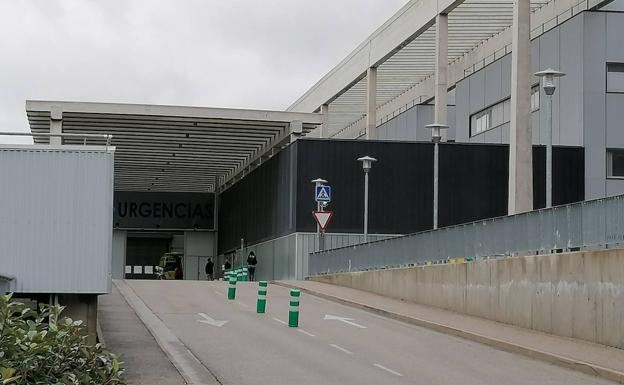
column 170, row 266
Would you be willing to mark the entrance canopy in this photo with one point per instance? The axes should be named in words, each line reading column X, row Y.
column 173, row 148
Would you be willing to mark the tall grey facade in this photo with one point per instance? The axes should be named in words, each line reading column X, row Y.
column 588, row 104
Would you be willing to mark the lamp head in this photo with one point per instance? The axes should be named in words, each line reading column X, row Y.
column 319, row 181
column 549, row 76
column 367, row 162
column 436, row 131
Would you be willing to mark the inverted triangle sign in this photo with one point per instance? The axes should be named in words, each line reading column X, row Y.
column 322, row 218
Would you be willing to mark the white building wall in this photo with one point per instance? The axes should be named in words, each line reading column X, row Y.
column 56, row 222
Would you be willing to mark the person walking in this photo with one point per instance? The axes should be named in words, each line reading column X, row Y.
column 209, row 269
column 252, row 261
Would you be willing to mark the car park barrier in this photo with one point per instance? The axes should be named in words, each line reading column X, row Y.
column 293, row 313
column 232, row 287
column 262, row 292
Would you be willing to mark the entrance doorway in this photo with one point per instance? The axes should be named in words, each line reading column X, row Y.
column 144, row 252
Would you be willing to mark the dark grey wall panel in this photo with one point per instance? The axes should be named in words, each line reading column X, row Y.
column 258, row 207
column 401, row 185
column 473, row 182
column 568, row 175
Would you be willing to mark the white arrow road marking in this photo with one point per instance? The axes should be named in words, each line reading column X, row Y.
column 348, row 321
column 341, row 348
column 280, row 321
column 306, row 333
column 388, row 370
column 210, row 321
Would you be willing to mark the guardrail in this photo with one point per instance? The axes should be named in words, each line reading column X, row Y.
column 591, row 224
column 84, row 137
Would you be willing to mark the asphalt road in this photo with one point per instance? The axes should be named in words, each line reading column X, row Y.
column 255, row 348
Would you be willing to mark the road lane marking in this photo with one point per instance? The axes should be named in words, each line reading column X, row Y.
column 348, row 321
column 280, row 321
column 306, row 333
column 210, row 321
column 341, row 348
column 242, row 305
column 388, row 370
column 218, row 292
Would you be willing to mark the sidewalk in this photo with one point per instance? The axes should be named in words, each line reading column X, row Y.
column 126, row 335
column 571, row 353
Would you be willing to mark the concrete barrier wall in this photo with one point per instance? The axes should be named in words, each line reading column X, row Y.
column 577, row 294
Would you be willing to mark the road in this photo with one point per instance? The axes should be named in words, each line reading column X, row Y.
column 364, row 348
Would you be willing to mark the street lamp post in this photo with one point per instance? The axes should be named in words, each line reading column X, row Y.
column 318, row 182
column 436, row 137
column 548, row 84
column 367, row 163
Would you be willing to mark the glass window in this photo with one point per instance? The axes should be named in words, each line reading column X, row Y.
column 615, row 77
column 535, row 98
column 615, row 163
column 489, row 118
column 480, row 122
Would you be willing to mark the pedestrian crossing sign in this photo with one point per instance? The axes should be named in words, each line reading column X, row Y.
column 322, row 194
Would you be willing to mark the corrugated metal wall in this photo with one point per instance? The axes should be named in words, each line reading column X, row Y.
column 287, row 257
column 260, row 206
column 56, row 220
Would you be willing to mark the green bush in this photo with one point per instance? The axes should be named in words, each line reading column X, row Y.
column 41, row 348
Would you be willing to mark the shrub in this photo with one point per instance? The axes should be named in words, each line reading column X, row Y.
column 38, row 347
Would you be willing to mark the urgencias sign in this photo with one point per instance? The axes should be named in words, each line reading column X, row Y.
column 162, row 210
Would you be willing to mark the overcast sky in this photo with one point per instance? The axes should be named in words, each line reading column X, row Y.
column 217, row 53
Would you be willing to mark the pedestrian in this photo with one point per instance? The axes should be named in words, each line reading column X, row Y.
column 209, row 269
column 227, row 265
column 178, row 274
column 252, row 261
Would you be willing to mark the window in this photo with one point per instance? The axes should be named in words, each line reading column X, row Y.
column 489, row 118
column 615, row 163
column 481, row 122
column 535, row 98
column 615, row 77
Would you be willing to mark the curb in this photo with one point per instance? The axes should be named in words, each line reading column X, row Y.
column 192, row 370
column 566, row 362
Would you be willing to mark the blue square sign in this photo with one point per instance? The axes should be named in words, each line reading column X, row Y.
column 322, row 194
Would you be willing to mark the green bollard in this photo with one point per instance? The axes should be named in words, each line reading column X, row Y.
column 262, row 292
column 245, row 274
column 232, row 287
column 293, row 313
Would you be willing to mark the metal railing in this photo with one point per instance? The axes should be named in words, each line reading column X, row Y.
column 84, row 137
column 591, row 224
column 5, row 277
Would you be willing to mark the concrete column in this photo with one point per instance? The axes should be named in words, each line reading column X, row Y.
column 371, row 103
column 441, row 84
column 56, row 125
column 296, row 130
column 520, row 138
column 324, row 128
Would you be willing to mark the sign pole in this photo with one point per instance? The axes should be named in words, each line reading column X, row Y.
column 318, row 228
column 320, row 196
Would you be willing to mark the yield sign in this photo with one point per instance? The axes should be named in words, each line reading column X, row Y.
column 322, row 218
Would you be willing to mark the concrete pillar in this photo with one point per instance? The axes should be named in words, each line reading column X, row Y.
column 371, row 103
column 296, row 130
column 520, row 138
column 82, row 307
column 56, row 125
column 324, row 128
column 441, row 85
column 118, row 263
